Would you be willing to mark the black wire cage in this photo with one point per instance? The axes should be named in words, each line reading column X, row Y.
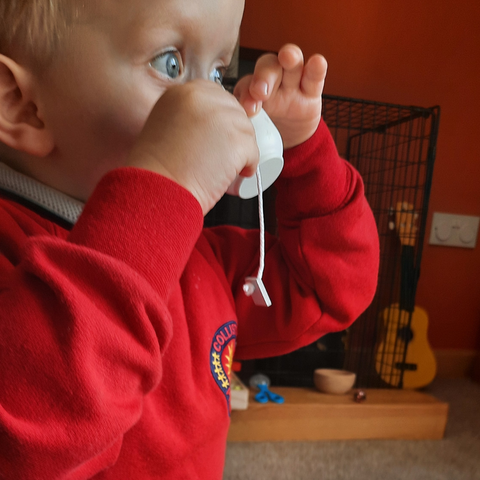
column 393, row 147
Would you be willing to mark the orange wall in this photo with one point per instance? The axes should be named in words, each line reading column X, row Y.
column 411, row 52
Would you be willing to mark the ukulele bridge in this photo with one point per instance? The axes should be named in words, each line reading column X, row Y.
column 411, row 367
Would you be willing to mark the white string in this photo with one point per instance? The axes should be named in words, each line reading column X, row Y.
column 254, row 285
column 262, row 224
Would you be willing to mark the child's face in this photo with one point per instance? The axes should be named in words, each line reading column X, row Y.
column 112, row 69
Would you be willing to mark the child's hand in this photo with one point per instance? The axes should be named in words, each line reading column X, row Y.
column 199, row 136
column 289, row 91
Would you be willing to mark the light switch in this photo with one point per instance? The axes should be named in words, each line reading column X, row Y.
column 454, row 230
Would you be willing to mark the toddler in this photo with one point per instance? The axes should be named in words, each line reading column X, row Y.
column 119, row 314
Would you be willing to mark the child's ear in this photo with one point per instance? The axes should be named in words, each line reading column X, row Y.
column 21, row 127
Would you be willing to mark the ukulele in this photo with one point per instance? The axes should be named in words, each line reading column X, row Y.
column 404, row 346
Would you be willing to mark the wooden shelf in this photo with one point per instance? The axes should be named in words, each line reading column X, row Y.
column 310, row 415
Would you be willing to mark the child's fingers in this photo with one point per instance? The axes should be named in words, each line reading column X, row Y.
column 266, row 77
column 314, row 76
column 290, row 58
column 242, row 94
column 241, row 87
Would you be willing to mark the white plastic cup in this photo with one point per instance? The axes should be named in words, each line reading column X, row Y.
column 270, row 146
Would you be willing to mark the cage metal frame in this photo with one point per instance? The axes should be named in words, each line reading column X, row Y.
column 394, row 149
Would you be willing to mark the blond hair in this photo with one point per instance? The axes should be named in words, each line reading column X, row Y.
column 32, row 28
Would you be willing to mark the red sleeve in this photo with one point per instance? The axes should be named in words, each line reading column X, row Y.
column 83, row 323
column 321, row 273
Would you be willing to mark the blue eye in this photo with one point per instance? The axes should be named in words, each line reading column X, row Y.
column 168, row 63
column 217, row 76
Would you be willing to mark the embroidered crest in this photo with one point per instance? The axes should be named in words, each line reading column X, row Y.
column 221, row 357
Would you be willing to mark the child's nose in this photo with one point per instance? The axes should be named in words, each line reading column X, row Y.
column 200, row 73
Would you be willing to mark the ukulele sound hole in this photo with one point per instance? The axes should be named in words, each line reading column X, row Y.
column 405, row 334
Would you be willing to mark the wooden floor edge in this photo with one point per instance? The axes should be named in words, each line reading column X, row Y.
column 476, row 368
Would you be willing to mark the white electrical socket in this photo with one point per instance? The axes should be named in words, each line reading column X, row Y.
column 454, row 230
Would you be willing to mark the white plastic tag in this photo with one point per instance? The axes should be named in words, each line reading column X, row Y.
column 255, row 288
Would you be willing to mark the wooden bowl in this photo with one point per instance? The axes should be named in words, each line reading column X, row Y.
column 332, row 381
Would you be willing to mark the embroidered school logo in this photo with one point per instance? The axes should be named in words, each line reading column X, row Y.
column 221, row 357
